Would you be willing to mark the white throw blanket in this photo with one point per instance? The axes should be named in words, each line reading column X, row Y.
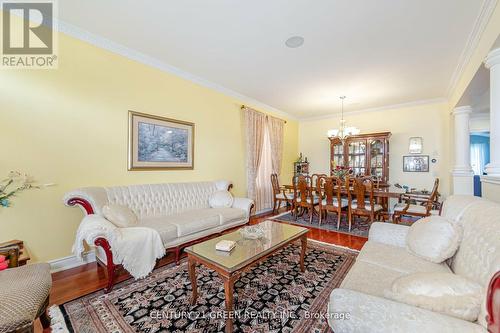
column 136, row 248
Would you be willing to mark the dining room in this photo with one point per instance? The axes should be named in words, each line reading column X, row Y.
column 358, row 167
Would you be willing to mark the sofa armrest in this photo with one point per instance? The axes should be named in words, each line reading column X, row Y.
column 353, row 311
column 89, row 199
column 388, row 233
column 90, row 229
column 244, row 204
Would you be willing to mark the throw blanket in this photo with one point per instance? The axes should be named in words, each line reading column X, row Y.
column 136, row 248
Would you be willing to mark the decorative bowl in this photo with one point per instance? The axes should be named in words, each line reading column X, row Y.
column 252, row 232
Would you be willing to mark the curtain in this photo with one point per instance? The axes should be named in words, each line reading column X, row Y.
column 275, row 127
column 478, row 157
column 255, row 124
column 264, row 189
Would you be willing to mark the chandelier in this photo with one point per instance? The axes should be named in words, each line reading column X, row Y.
column 343, row 132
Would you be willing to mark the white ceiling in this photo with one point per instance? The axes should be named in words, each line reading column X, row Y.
column 377, row 52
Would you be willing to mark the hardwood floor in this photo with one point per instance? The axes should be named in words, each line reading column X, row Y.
column 76, row 282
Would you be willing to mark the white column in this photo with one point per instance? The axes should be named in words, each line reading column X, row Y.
column 493, row 63
column 463, row 176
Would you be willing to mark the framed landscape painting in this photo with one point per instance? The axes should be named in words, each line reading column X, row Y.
column 416, row 163
column 158, row 143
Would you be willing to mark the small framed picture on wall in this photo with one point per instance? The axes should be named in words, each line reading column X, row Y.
column 416, row 163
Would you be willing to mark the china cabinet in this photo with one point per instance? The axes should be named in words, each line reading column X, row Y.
column 365, row 154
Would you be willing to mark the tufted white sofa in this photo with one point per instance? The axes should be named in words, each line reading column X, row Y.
column 384, row 258
column 180, row 212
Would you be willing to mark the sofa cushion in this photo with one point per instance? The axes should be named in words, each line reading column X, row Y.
column 370, row 314
column 119, row 215
column 446, row 293
column 221, row 199
column 151, row 200
column 229, row 215
column 397, row 259
column 167, row 230
column 433, row 238
column 369, row 278
column 194, row 221
column 478, row 256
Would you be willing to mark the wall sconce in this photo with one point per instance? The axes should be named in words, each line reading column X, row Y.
column 416, row 145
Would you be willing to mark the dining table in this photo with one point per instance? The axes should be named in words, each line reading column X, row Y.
column 381, row 193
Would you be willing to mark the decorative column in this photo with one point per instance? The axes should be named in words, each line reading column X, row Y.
column 493, row 63
column 463, row 176
column 490, row 184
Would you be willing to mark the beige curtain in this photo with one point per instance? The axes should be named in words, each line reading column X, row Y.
column 275, row 127
column 263, row 188
column 255, row 125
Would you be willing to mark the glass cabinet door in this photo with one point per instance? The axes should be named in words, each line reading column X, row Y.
column 377, row 159
column 338, row 156
column 356, row 157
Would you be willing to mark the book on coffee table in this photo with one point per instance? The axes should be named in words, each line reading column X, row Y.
column 225, row 245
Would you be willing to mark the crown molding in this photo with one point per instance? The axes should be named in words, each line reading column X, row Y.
column 381, row 108
column 142, row 58
column 482, row 20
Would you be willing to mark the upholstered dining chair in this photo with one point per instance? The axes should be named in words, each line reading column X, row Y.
column 280, row 194
column 361, row 201
column 314, row 183
column 304, row 197
column 411, row 207
column 331, row 199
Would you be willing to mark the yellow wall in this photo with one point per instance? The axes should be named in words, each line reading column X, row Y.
column 428, row 121
column 69, row 126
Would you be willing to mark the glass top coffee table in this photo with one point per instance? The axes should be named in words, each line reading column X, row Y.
column 247, row 252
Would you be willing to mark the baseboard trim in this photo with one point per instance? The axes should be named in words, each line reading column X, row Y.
column 68, row 262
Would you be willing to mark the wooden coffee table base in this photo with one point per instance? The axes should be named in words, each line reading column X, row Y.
column 230, row 277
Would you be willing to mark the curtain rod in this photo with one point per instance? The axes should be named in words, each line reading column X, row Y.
column 244, row 106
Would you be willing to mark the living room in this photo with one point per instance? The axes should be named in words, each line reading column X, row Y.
column 327, row 144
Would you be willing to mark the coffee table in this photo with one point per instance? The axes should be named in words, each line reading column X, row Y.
column 246, row 253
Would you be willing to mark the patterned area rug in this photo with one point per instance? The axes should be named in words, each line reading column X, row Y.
column 359, row 226
column 273, row 296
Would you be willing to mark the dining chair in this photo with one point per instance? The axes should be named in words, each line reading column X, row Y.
column 361, row 201
column 280, row 194
column 331, row 199
column 303, row 196
column 417, row 205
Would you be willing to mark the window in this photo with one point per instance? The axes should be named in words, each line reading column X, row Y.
column 479, row 152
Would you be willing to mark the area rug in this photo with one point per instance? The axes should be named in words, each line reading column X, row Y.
column 273, row 296
column 359, row 227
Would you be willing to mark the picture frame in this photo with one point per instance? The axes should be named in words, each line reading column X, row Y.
column 159, row 143
column 416, row 163
column 415, row 145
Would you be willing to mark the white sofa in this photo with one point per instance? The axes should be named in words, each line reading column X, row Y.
column 360, row 299
column 180, row 212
